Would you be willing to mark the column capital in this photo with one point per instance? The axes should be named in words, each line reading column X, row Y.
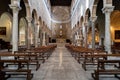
column 93, row 18
column 86, row 23
column 107, row 9
column 15, row 5
column 15, row 8
column 29, row 19
column 37, row 23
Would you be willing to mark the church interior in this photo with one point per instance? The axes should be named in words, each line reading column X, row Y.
column 60, row 39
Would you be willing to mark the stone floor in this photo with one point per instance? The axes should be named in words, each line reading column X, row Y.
column 62, row 66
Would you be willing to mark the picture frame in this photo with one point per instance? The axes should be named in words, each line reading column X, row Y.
column 2, row 30
column 117, row 34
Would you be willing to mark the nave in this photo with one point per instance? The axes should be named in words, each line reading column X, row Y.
column 60, row 66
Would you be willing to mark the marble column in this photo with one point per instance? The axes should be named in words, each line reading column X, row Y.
column 43, row 41
column 15, row 8
column 77, row 39
column 85, row 34
column 29, row 19
column 80, row 36
column 93, row 19
column 36, row 34
column 107, row 10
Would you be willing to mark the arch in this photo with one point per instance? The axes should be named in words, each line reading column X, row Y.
column 97, row 34
column 22, row 12
column 34, row 15
column 75, row 25
column 88, row 12
column 78, row 24
column 89, row 33
column 94, row 8
column 115, row 25
column 87, row 15
column 6, row 23
column 40, row 26
column 7, row 13
column 4, row 6
column 81, row 19
column 43, row 23
column 22, row 31
column 40, row 21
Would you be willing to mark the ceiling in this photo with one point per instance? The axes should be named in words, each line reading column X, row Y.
column 60, row 2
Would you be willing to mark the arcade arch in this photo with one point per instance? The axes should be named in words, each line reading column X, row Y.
column 6, row 26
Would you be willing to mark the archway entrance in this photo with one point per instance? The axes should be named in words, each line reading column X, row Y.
column 6, row 27
column 22, row 31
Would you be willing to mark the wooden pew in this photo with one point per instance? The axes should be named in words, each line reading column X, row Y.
column 43, row 51
column 103, row 70
column 82, row 52
column 79, row 52
column 18, row 70
column 23, row 56
column 26, row 58
column 92, row 59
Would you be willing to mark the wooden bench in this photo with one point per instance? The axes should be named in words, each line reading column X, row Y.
column 18, row 70
column 33, row 58
column 79, row 52
column 43, row 51
column 92, row 59
column 102, row 70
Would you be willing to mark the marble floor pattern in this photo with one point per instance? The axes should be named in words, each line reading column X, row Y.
column 62, row 66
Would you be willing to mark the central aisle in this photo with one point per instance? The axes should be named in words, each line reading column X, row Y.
column 60, row 66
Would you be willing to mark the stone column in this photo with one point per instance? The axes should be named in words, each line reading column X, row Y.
column 77, row 39
column 29, row 19
column 80, row 37
column 85, row 33
column 43, row 41
column 36, row 34
column 74, row 36
column 107, row 10
column 93, row 19
column 15, row 8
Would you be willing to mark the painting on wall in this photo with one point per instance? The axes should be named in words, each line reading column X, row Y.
column 117, row 34
column 2, row 30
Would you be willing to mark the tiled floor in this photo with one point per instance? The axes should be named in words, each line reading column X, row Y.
column 62, row 66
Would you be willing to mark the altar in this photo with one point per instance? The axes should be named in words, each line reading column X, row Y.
column 60, row 40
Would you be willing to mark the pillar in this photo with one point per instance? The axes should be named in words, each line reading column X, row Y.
column 77, row 39
column 29, row 19
column 43, row 41
column 81, row 36
column 36, row 34
column 85, row 34
column 15, row 8
column 93, row 19
column 107, row 11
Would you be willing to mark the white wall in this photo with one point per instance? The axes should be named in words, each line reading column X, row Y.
column 41, row 8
